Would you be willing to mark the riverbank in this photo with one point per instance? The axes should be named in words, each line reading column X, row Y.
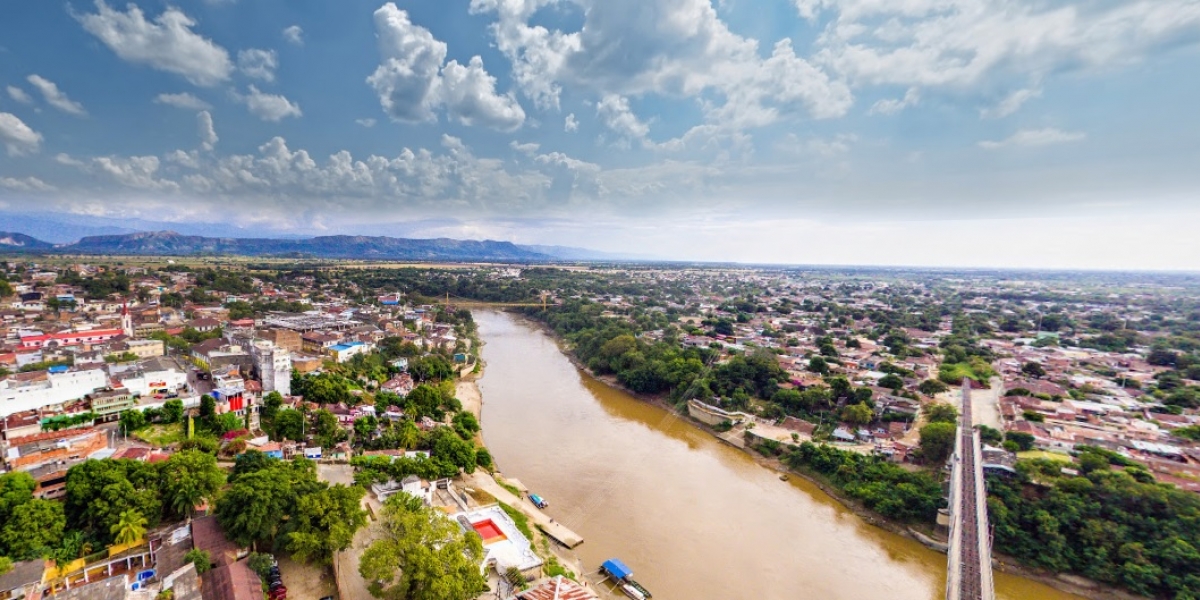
column 467, row 391
column 1062, row 582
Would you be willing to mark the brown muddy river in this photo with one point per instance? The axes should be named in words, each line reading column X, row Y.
column 693, row 518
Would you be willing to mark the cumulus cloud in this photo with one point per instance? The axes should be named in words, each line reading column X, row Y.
column 414, row 82
column 368, row 123
column 664, row 47
column 1034, row 137
column 167, row 43
column 615, row 113
column 56, row 97
column 891, row 106
column 570, row 124
column 269, row 107
column 294, row 35
column 259, row 64
column 17, row 137
column 26, row 184
column 204, row 128
column 961, row 43
column 19, row 95
column 184, row 100
column 1010, row 104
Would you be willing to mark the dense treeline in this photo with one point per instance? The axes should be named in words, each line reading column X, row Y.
column 283, row 505
column 880, row 485
column 1107, row 526
column 107, row 501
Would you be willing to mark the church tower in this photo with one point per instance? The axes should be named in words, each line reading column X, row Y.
column 126, row 321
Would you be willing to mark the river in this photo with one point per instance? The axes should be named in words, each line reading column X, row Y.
column 694, row 518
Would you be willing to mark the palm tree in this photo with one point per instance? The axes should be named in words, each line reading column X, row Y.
column 129, row 528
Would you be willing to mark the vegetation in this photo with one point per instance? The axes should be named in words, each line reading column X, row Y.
column 880, row 485
column 422, row 555
column 1106, row 525
column 282, row 504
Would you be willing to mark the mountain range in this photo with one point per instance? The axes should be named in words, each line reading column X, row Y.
column 332, row 246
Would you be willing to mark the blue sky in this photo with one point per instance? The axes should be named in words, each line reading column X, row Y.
column 958, row 132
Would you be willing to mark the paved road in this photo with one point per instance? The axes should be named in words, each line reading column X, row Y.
column 351, row 585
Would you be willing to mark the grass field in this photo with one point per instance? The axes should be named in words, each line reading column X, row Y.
column 1044, row 454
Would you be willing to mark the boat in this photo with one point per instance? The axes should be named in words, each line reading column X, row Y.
column 622, row 577
column 538, row 501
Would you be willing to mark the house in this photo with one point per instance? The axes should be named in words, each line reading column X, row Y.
column 204, row 325
column 208, row 536
column 234, row 581
column 401, row 384
column 842, row 434
column 318, row 341
column 348, row 350
column 557, row 588
column 22, row 579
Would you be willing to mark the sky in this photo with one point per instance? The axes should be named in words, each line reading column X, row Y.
column 1022, row 133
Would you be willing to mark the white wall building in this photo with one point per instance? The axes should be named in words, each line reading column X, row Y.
column 57, row 388
column 274, row 365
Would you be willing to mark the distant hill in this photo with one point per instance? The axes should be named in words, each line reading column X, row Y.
column 20, row 241
column 333, row 246
column 585, row 254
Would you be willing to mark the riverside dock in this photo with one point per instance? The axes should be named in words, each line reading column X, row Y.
column 553, row 529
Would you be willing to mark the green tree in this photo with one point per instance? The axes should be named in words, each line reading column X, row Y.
column 200, row 558
column 16, row 488
column 34, row 530
column 131, row 421
column 941, row 413
column 188, row 478
column 892, row 382
column 932, row 387
column 324, row 523
column 1033, row 369
column 937, row 442
column 289, row 425
column 255, row 507
column 99, row 491
column 857, row 414
column 129, row 528
column 1024, row 441
column 172, row 411
column 260, row 563
column 818, row 365
column 422, row 555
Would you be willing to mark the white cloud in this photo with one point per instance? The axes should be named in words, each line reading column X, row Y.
column 963, row 43
column 891, row 106
column 133, row 171
column 27, row 184
column 19, row 95
column 368, row 123
column 259, row 64
column 56, row 97
column 204, row 128
column 269, row 107
column 664, row 47
column 614, row 111
column 184, row 100
column 529, row 148
column 1034, row 137
column 413, row 83
column 17, row 137
column 570, row 124
column 167, row 44
column 294, row 35
column 1010, row 104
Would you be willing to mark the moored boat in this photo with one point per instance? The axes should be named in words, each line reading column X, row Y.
column 622, row 577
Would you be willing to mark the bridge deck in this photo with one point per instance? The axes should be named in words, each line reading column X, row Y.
column 970, row 555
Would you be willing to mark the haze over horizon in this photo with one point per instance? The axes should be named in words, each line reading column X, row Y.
column 927, row 132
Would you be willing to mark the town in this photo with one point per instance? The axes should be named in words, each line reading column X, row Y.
column 205, row 428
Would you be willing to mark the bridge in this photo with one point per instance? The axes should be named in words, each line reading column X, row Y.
column 969, row 566
column 456, row 302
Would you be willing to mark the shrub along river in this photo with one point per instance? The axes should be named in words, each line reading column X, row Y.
column 694, row 518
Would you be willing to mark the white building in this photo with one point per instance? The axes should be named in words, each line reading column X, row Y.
column 17, row 395
column 274, row 365
column 147, row 383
